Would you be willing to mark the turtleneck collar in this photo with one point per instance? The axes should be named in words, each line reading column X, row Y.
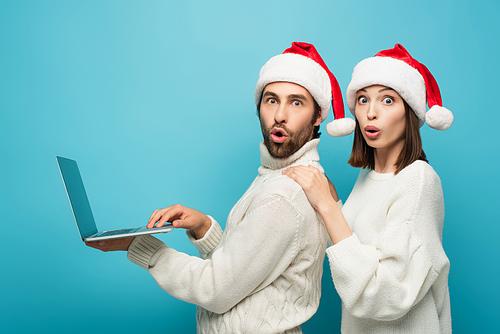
column 308, row 152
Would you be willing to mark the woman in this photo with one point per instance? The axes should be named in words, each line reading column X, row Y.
column 387, row 260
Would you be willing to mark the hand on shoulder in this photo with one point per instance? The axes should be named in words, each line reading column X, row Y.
column 319, row 190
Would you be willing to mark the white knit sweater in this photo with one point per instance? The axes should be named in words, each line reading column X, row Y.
column 263, row 274
column 392, row 273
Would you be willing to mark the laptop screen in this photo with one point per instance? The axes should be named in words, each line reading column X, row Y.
column 77, row 197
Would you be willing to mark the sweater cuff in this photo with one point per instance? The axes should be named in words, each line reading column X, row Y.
column 340, row 250
column 209, row 241
column 142, row 249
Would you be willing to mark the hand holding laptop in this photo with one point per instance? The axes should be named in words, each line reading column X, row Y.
column 180, row 216
column 111, row 245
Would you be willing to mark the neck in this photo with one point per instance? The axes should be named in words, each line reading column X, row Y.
column 308, row 152
column 387, row 157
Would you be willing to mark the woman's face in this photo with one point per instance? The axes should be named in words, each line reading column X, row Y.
column 381, row 114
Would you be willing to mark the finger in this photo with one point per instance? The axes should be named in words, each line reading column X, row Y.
column 292, row 169
column 151, row 217
column 175, row 212
column 309, row 171
column 299, row 177
column 304, row 172
column 185, row 221
column 306, row 179
column 316, row 171
column 95, row 244
column 156, row 216
column 179, row 223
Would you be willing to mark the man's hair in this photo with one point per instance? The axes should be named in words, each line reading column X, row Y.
column 316, row 112
column 362, row 155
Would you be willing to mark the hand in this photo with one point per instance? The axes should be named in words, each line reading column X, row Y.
column 181, row 217
column 319, row 190
column 111, row 245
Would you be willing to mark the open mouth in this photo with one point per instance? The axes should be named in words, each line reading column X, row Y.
column 372, row 131
column 278, row 135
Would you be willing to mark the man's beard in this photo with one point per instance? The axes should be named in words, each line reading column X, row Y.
column 291, row 145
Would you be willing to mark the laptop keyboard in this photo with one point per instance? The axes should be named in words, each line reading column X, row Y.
column 122, row 231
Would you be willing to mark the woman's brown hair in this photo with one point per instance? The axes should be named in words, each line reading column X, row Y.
column 362, row 155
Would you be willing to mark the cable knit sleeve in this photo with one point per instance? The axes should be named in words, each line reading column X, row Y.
column 259, row 249
column 210, row 240
column 386, row 276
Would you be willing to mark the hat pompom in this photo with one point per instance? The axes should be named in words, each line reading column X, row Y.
column 439, row 118
column 340, row 127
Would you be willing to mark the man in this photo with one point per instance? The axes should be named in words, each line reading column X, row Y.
column 263, row 274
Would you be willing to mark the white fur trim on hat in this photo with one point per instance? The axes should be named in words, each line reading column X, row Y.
column 341, row 127
column 298, row 69
column 393, row 73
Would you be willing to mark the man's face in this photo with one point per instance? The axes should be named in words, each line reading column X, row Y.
column 286, row 118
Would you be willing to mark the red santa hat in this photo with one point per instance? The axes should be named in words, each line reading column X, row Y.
column 301, row 64
column 395, row 68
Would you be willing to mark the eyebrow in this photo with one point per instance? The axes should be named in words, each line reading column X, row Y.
column 383, row 89
column 290, row 97
column 268, row 93
column 297, row 96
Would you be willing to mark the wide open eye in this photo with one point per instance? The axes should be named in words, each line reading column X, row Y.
column 388, row 100
column 362, row 100
column 297, row 103
column 272, row 101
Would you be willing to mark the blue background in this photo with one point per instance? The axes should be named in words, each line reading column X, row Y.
column 154, row 99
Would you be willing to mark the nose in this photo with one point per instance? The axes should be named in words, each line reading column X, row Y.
column 281, row 114
column 371, row 113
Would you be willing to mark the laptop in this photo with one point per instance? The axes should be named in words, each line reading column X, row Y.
column 83, row 214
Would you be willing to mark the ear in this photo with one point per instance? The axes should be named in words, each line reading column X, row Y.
column 319, row 119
